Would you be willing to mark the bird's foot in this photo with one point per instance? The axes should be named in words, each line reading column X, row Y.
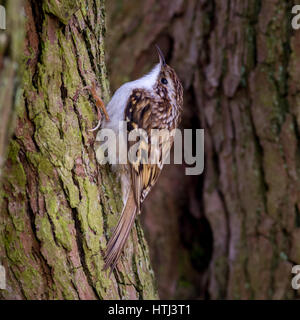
column 99, row 103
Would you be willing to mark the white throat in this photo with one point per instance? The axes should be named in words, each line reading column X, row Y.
column 147, row 81
column 117, row 104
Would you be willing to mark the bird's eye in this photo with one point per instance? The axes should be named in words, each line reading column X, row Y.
column 164, row 81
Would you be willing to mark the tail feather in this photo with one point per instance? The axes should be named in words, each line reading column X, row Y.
column 117, row 241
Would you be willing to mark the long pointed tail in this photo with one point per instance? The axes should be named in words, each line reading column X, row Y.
column 118, row 239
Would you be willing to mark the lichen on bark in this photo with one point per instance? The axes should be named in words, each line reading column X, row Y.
column 56, row 199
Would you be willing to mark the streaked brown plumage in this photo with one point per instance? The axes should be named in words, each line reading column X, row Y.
column 155, row 105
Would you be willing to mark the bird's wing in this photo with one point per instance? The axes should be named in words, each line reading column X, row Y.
column 139, row 114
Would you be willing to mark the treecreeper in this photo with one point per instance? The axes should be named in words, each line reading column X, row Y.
column 152, row 103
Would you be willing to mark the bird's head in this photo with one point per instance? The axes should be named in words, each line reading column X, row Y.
column 168, row 84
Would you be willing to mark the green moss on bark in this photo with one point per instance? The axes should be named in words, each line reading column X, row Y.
column 56, row 199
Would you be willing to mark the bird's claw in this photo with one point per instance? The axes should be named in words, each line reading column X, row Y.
column 99, row 103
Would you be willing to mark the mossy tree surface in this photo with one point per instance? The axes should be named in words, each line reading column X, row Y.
column 239, row 62
column 58, row 206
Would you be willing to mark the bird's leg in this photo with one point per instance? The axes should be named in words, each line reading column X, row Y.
column 99, row 103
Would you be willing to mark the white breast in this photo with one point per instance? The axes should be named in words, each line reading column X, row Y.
column 116, row 106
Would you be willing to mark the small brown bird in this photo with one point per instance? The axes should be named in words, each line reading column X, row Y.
column 152, row 102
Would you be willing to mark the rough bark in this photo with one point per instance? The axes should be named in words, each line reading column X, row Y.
column 58, row 206
column 234, row 231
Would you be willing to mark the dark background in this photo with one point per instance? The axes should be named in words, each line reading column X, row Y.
column 233, row 232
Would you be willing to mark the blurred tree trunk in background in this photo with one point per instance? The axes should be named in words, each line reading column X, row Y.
column 233, row 232
column 11, row 50
column 57, row 206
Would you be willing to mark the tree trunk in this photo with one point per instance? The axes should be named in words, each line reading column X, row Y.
column 234, row 231
column 58, row 206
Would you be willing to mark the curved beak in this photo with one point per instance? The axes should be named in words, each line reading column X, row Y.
column 161, row 56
